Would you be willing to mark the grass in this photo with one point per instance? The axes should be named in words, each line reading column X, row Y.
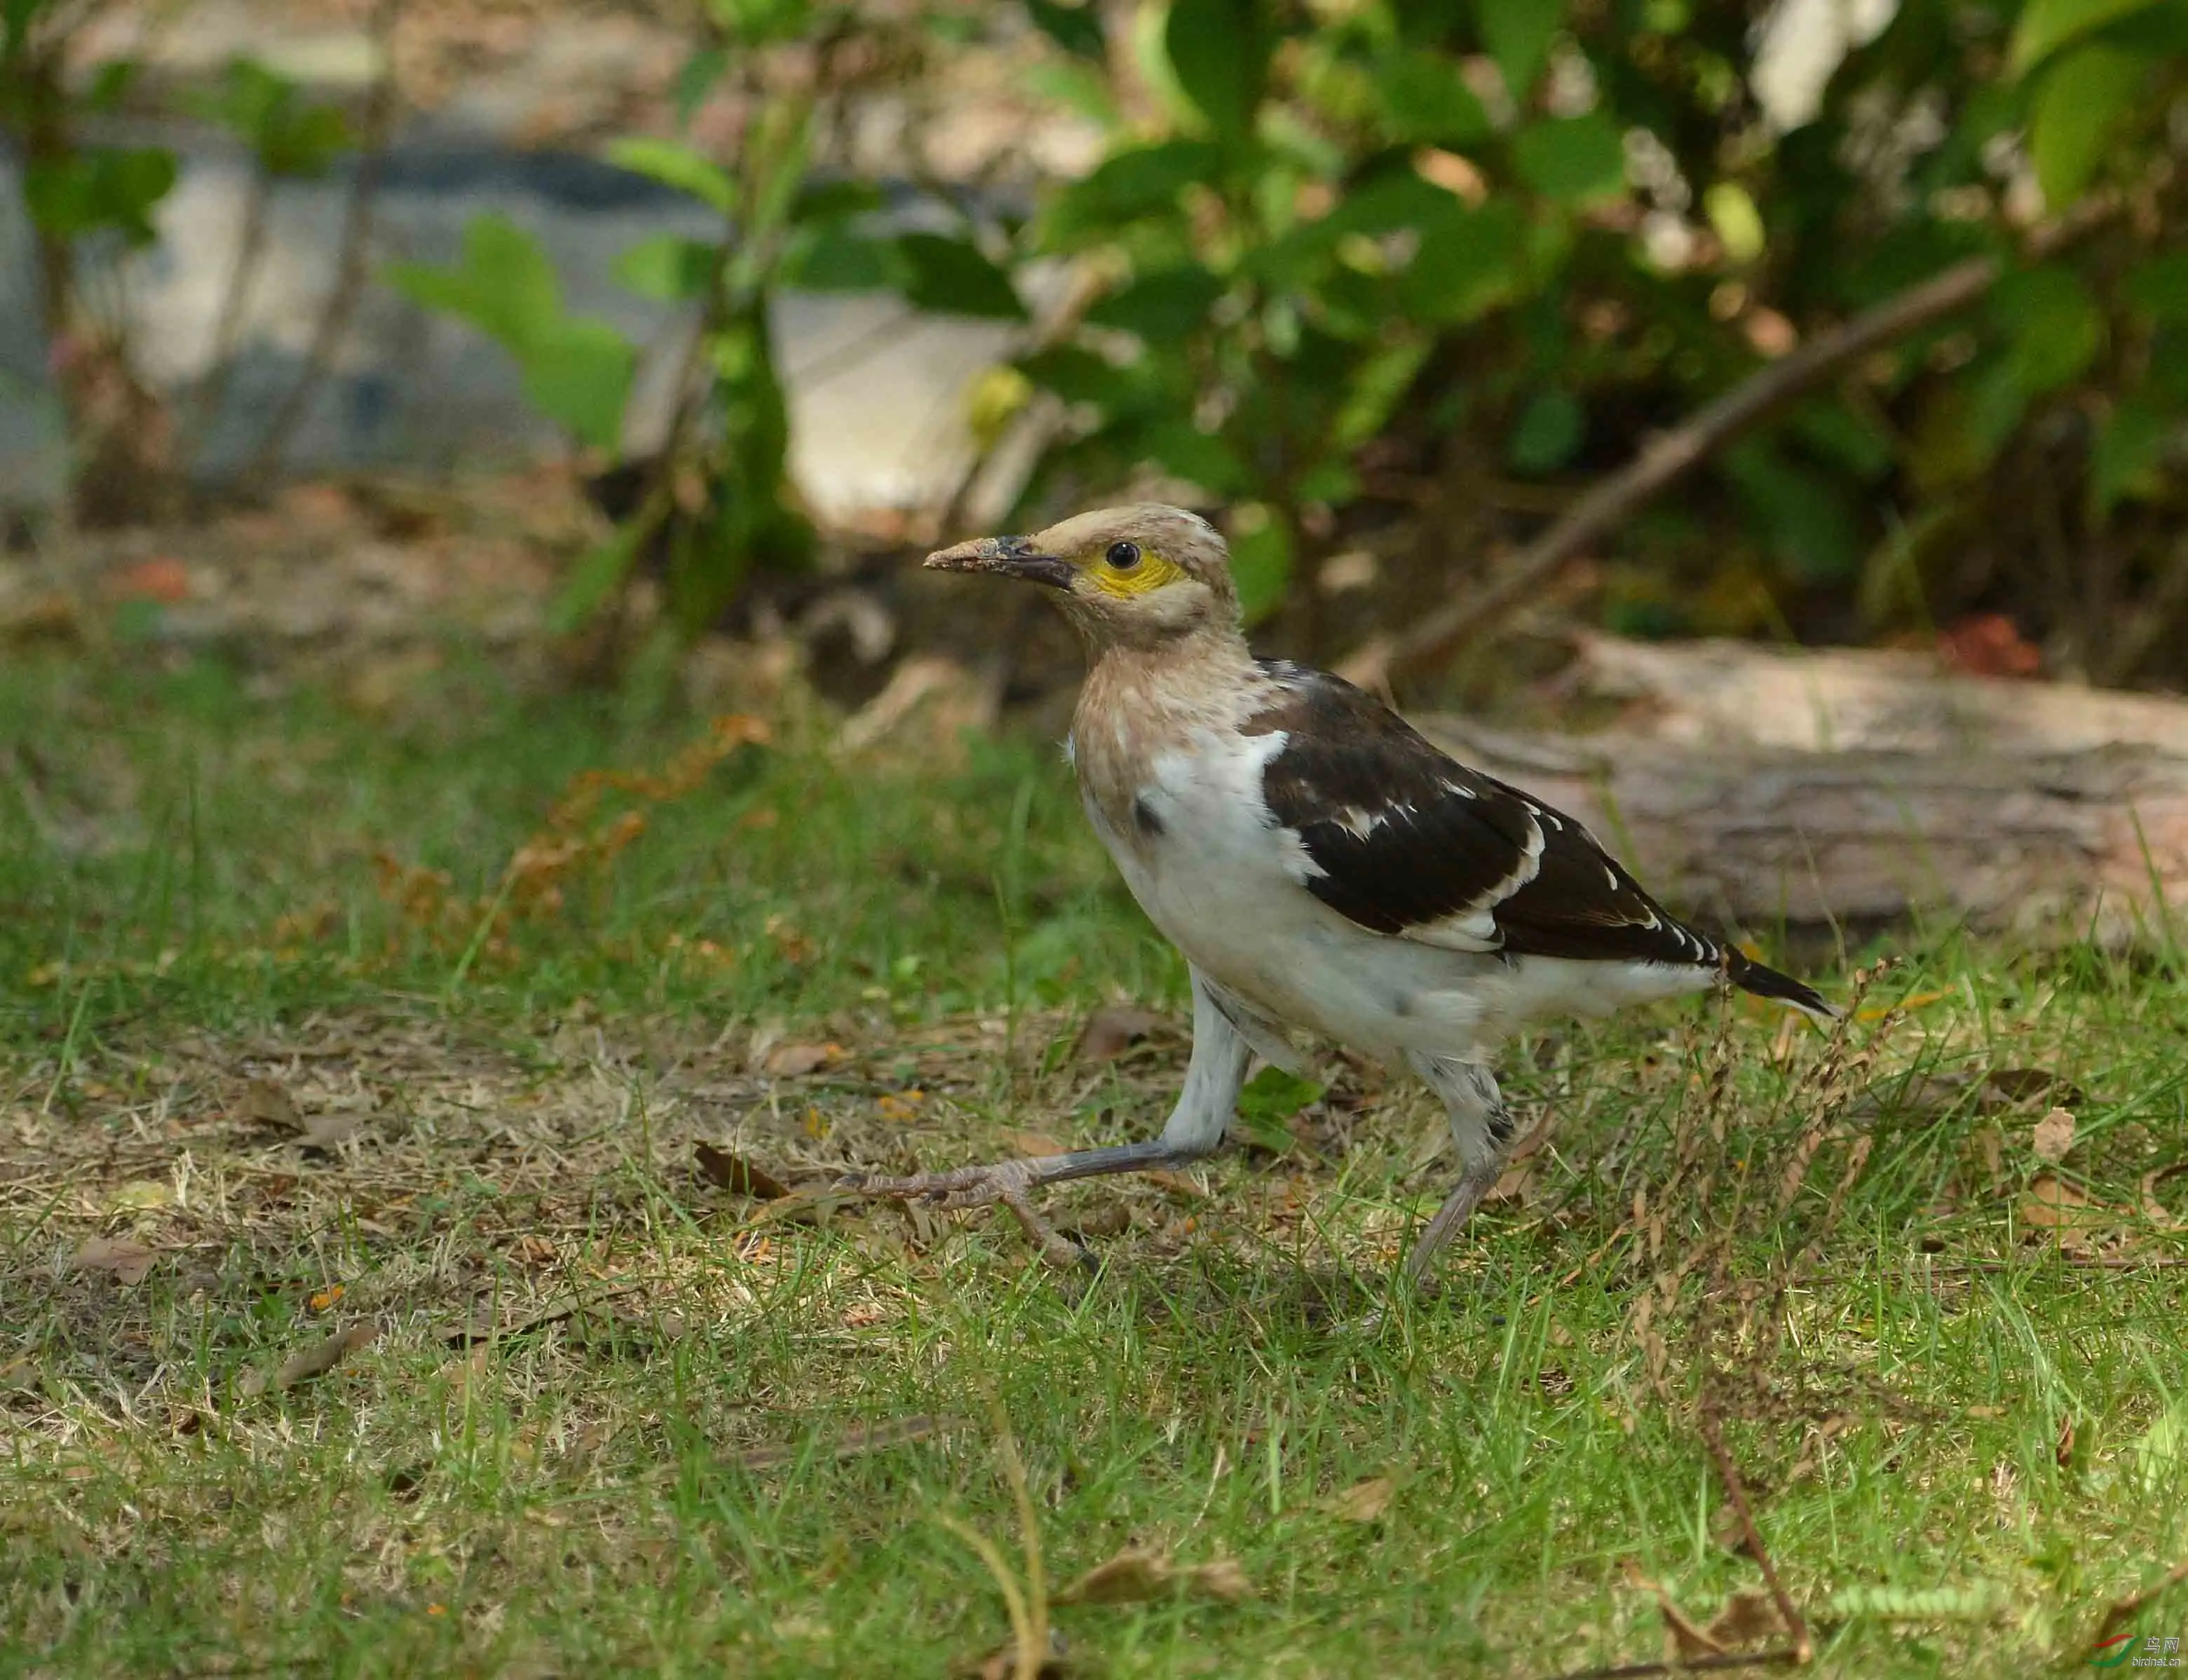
column 616, row 1413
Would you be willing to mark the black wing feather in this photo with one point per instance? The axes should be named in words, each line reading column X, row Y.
column 1406, row 836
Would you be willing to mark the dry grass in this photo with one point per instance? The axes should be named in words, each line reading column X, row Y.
column 369, row 1304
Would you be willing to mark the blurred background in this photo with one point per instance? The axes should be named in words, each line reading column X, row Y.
column 648, row 342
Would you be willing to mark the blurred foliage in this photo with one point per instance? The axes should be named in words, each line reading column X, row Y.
column 716, row 499
column 1353, row 261
column 1525, row 233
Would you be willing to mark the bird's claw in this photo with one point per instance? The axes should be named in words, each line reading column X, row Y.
column 961, row 1187
column 1008, row 1183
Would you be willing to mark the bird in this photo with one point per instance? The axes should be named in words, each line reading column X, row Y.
column 1322, row 867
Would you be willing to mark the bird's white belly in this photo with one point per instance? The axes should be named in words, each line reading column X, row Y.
column 1227, row 886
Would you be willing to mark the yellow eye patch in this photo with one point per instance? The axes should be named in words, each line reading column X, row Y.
column 1152, row 572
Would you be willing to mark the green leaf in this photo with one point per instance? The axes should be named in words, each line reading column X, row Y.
column 1547, row 433
column 1261, row 566
column 598, row 576
column 1076, row 28
column 1423, row 101
column 1269, row 1099
column 1378, row 386
column 1519, row 34
column 2084, row 95
column 99, row 188
column 1466, row 266
column 1140, row 181
column 1202, row 458
column 667, row 268
column 1076, row 86
column 503, row 283
column 577, row 373
column 577, row 370
column 818, row 203
column 2046, row 25
column 2053, row 327
column 1573, row 160
column 1161, row 307
column 835, row 259
column 2123, row 464
column 1800, row 514
column 1738, row 224
column 1218, row 52
column 2159, row 286
column 678, row 166
column 952, row 277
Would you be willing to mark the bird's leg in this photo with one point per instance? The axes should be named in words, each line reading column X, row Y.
column 1213, row 1077
column 1481, row 1127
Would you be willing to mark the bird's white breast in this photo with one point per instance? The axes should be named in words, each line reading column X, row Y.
column 1227, row 884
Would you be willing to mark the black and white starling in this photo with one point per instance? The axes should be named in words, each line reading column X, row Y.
column 1320, row 864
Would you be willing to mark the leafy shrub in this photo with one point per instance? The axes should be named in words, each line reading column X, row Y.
column 1521, row 232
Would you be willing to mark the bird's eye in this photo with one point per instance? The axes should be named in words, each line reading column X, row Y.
column 1123, row 556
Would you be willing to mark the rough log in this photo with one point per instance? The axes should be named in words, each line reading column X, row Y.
column 2030, row 808
column 1844, row 699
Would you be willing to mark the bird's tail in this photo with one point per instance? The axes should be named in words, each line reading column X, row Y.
column 1751, row 976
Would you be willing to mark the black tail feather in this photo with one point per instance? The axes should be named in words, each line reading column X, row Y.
column 1751, row 976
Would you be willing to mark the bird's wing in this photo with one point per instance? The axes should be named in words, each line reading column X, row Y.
column 1404, row 840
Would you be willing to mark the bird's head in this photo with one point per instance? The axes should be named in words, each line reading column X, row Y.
column 1138, row 576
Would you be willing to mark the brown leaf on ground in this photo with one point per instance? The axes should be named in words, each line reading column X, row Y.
column 315, row 1361
column 2155, row 1210
column 2053, row 1136
column 2053, row 1205
column 1748, row 1618
column 128, row 1259
column 266, row 1103
column 1002, row 1663
column 796, row 1061
column 1112, row 1030
column 2062, row 1451
column 1036, row 1143
column 1364, row 1501
column 1136, row 1574
column 324, row 1131
column 735, row 1174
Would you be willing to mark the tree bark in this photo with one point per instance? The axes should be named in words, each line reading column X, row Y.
column 1844, row 792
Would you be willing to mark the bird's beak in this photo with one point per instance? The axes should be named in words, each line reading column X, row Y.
column 1007, row 557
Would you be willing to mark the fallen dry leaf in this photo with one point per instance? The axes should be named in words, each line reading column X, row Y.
column 315, row 1361
column 2153, row 1209
column 1114, row 1029
column 1748, row 1618
column 2053, row 1136
column 1364, row 1501
column 266, row 1103
column 1135, row 1576
column 2063, row 1451
column 2053, row 1205
column 796, row 1061
column 324, row 1131
column 129, row 1261
column 1035, row 1143
column 735, row 1174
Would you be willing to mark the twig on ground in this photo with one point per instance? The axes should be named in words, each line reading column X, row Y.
column 1670, row 456
column 1782, row 1657
column 2122, row 1610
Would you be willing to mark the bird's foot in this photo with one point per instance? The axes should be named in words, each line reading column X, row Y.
column 1009, row 1183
